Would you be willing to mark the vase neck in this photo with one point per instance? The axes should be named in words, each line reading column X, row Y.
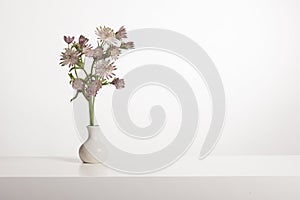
column 93, row 131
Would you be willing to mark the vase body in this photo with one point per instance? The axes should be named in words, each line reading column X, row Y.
column 92, row 150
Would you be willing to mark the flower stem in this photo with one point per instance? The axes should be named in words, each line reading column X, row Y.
column 76, row 73
column 91, row 110
column 84, row 94
column 92, row 67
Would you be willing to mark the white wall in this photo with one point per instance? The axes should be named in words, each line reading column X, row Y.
column 254, row 44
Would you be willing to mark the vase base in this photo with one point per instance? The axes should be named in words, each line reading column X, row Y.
column 86, row 157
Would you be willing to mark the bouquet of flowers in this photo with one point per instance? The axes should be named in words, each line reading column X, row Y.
column 102, row 70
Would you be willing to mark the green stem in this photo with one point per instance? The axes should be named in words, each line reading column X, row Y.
column 92, row 67
column 76, row 95
column 76, row 73
column 85, row 96
column 91, row 111
column 85, row 72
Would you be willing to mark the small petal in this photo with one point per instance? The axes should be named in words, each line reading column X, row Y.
column 121, row 33
column 69, row 39
column 82, row 41
column 119, row 83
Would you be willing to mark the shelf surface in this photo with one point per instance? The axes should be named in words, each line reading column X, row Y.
column 214, row 178
column 186, row 166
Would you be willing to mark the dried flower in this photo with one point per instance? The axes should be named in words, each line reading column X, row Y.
column 127, row 45
column 101, row 66
column 88, row 77
column 82, row 41
column 119, row 83
column 108, row 72
column 98, row 53
column 114, row 52
column 69, row 39
column 88, row 51
column 121, row 33
column 77, row 84
column 106, row 34
column 93, row 88
column 105, row 70
column 69, row 57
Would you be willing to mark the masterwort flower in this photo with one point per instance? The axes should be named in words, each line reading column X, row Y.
column 105, row 70
column 98, row 53
column 119, row 83
column 127, row 45
column 106, row 34
column 88, row 51
column 77, row 84
column 69, row 57
column 109, row 71
column 121, row 33
column 83, row 41
column 93, row 88
column 69, row 39
column 114, row 52
column 101, row 66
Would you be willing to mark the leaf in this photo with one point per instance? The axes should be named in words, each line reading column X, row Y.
column 71, row 76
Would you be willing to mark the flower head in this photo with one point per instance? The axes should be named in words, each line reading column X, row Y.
column 105, row 70
column 106, row 34
column 77, row 84
column 88, row 51
column 127, row 45
column 119, row 83
column 109, row 71
column 121, row 33
column 69, row 57
column 98, row 53
column 93, row 88
column 114, row 52
column 68, row 39
column 82, row 41
column 101, row 66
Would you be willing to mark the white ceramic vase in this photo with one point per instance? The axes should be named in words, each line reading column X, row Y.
column 92, row 150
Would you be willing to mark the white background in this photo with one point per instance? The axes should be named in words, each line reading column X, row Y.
column 254, row 44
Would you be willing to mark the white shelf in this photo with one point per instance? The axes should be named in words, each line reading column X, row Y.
column 215, row 178
column 192, row 167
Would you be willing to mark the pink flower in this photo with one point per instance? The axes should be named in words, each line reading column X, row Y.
column 98, row 53
column 100, row 67
column 93, row 88
column 105, row 70
column 88, row 51
column 69, row 57
column 127, row 45
column 68, row 39
column 77, row 84
column 121, row 33
column 114, row 52
column 119, row 83
column 82, row 41
column 106, row 34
